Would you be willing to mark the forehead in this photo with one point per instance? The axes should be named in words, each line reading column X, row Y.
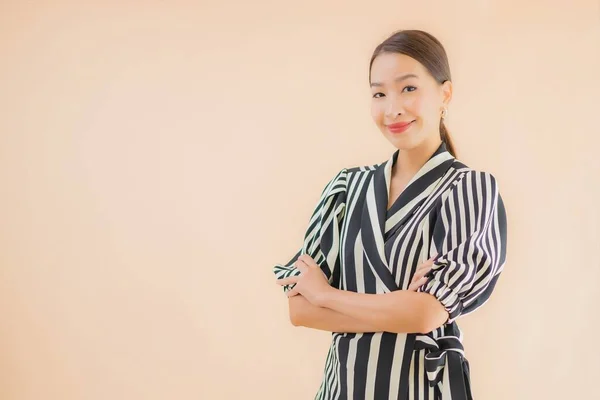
column 388, row 66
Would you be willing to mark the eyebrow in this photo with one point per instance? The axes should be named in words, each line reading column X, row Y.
column 398, row 79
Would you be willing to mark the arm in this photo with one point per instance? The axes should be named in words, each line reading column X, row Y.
column 304, row 313
column 471, row 236
column 401, row 311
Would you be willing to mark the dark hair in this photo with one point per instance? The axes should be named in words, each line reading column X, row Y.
column 427, row 50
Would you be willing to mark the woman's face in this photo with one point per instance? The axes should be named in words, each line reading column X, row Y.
column 403, row 92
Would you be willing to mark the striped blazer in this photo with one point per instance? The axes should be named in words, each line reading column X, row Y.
column 446, row 209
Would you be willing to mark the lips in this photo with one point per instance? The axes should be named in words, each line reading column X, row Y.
column 399, row 126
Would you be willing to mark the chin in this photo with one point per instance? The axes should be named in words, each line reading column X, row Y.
column 407, row 142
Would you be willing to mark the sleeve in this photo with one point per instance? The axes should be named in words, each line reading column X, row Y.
column 322, row 236
column 469, row 236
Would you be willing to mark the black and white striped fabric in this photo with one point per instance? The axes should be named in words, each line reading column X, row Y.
column 446, row 209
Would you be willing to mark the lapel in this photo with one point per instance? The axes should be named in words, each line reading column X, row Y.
column 376, row 220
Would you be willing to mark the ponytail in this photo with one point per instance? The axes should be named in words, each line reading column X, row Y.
column 445, row 135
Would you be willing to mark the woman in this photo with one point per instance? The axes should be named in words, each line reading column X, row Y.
column 395, row 252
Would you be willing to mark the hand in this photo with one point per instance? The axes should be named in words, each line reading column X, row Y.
column 419, row 278
column 311, row 283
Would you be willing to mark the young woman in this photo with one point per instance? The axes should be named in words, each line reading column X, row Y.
column 395, row 252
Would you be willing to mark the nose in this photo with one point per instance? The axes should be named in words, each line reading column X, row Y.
column 393, row 109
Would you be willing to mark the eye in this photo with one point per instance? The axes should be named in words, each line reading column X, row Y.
column 412, row 88
column 375, row 95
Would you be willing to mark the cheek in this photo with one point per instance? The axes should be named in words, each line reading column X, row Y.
column 415, row 105
column 423, row 107
column 377, row 113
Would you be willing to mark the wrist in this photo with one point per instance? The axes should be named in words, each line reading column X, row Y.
column 324, row 300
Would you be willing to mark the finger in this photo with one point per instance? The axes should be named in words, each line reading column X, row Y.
column 420, row 281
column 292, row 293
column 426, row 264
column 414, row 286
column 308, row 260
column 300, row 265
column 423, row 267
column 421, row 272
column 287, row 281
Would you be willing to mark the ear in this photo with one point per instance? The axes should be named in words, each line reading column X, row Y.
column 446, row 89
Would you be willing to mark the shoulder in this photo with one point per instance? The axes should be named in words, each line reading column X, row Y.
column 336, row 183
column 472, row 177
column 475, row 194
column 363, row 168
column 477, row 190
column 342, row 177
column 471, row 187
column 483, row 180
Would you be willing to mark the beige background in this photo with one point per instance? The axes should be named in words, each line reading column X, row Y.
column 158, row 158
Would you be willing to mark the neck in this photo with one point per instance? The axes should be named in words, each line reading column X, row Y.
column 410, row 161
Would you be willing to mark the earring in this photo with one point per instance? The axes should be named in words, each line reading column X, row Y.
column 444, row 112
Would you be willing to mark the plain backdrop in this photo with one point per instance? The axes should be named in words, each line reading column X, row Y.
column 158, row 158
